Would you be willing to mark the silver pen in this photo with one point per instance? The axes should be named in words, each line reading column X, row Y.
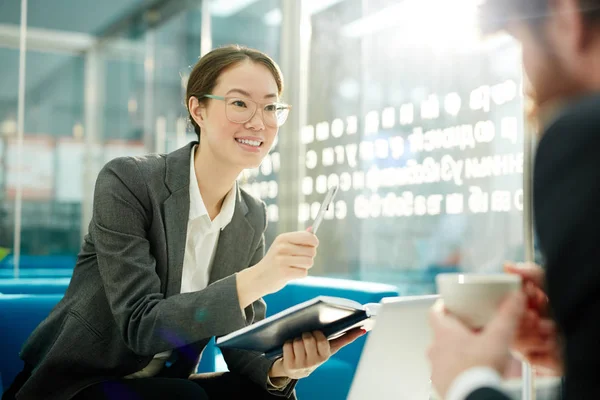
column 324, row 207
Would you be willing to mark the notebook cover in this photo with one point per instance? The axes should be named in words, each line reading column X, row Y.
column 320, row 314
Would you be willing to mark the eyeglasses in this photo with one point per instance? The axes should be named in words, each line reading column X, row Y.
column 241, row 110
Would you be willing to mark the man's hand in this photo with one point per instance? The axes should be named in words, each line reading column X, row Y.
column 534, row 283
column 456, row 348
column 537, row 340
column 303, row 355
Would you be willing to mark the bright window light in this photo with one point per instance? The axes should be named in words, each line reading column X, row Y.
column 316, row 6
column 430, row 23
column 273, row 17
column 226, row 8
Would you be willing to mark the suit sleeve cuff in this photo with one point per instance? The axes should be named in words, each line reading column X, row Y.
column 471, row 380
column 277, row 383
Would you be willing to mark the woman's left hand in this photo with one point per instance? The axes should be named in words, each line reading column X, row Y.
column 303, row 355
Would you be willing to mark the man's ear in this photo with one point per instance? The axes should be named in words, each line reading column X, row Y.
column 197, row 111
column 571, row 25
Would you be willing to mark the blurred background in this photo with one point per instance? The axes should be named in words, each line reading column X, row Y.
column 400, row 102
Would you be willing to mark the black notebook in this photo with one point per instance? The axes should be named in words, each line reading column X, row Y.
column 331, row 315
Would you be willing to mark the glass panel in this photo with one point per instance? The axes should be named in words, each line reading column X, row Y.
column 75, row 17
column 9, row 86
column 87, row 103
column 252, row 23
column 121, row 72
column 177, row 50
column 49, row 172
column 256, row 24
column 10, row 14
column 420, row 123
column 52, row 147
column 138, row 77
column 147, row 66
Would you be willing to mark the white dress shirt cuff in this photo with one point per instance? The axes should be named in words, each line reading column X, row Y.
column 471, row 380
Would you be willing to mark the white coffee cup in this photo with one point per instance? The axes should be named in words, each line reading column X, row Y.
column 475, row 298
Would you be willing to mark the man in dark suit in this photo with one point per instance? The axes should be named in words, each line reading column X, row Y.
column 561, row 56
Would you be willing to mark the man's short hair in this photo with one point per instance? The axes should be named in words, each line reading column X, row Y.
column 495, row 15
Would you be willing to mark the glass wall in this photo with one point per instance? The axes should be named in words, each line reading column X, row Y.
column 417, row 119
column 256, row 26
column 98, row 85
column 8, row 128
column 53, row 138
column 419, row 123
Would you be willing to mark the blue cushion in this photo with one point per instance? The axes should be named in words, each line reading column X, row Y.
column 330, row 381
column 208, row 359
column 34, row 286
column 37, row 262
column 37, row 273
column 21, row 314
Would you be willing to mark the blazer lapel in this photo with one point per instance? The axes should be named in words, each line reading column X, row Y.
column 235, row 241
column 177, row 208
column 176, row 214
column 234, row 246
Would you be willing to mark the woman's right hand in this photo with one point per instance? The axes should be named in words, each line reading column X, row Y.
column 290, row 257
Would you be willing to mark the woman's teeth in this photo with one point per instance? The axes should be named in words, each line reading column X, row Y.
column 254, row 143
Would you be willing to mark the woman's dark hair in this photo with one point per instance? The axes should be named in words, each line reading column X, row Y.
column 209, row 68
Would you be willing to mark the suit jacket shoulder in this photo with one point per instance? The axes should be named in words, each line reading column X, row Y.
column 567, row 174
column 140, row 174
column 257, row 210
column 567, row 216
column 487, row 394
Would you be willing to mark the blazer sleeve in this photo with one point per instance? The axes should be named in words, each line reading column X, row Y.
column 487, row 394
column 148, row 322
column 250, row 363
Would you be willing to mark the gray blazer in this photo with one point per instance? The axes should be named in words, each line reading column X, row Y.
column 123, row 305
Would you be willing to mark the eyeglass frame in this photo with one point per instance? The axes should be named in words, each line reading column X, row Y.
column 223, row 98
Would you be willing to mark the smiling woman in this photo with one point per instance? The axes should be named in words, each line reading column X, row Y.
column 208, row 70
column 232, row 97
column 173, row 238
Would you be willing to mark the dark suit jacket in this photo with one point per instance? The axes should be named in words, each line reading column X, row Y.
column 567, row 212
column 123, row 305
column 567, row 215
column 487, row 394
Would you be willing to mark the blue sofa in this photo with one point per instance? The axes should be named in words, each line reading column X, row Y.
column 49, row 273
column 20, row 314
column 56, row 266
column 34, row 285
column 40, row 262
